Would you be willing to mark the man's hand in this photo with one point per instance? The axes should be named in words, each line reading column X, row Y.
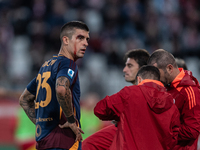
column 115, row 122
column 77, row 131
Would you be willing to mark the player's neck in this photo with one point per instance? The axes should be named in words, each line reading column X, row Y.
column 175, row 74
column 66, row 53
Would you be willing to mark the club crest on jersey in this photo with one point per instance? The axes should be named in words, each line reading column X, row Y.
column 70, row 73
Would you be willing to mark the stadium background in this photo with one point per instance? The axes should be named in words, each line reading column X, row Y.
column 29, row 35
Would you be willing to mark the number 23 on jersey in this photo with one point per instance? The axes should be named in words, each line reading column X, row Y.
column 43, row 84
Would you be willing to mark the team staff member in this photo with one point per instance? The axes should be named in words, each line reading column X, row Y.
column 185, row 90
column 148, row 118
column 181, row 63
column 102, row 139
column 51, row 99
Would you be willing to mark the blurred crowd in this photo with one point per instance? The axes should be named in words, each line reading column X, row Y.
column 29, row 34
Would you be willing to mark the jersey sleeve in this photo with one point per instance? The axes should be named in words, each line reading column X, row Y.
column 190, row 126
column 67, row 70
column 31, row 87
column 111, row 107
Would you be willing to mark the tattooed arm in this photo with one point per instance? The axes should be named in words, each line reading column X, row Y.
column 26, row 101
column 64, row 98
column 64, row 95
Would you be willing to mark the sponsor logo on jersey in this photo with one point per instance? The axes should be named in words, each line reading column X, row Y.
column 70, row 73
column 38, row 130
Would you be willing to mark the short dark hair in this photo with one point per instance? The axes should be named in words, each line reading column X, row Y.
column 181, row 63
column 162, row 58
column 68, row 28
column 149, row 72
column 141, row 56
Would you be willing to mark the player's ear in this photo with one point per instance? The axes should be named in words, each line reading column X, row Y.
column 65, row 40
column 139, row 79
column 169, row 68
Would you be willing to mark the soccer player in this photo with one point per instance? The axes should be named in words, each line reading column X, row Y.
column 102, row 139
column 51, row 99
column 185, row 90
column 147, row 116
column 135, row 59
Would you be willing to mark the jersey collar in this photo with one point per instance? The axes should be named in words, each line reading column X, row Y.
column 178, row 78
column 149, row 80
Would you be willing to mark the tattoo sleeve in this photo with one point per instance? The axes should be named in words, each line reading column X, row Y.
column 27, row 102
column 64, row 95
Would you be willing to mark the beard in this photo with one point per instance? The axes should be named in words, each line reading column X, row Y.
column 166, row 81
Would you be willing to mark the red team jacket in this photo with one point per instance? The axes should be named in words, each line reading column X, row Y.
column 148, row 118
column 100, row 140
column 186, row 92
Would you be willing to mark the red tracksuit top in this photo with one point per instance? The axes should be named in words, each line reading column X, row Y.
column 100, row 140
column 185, row 90
column 148, row 118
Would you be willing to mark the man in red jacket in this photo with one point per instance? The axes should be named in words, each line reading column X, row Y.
column 147, row 116
column 102, row 139
column 186, row 92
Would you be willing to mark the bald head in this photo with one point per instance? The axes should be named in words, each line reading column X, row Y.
column 162, row 58
column 166, row 64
